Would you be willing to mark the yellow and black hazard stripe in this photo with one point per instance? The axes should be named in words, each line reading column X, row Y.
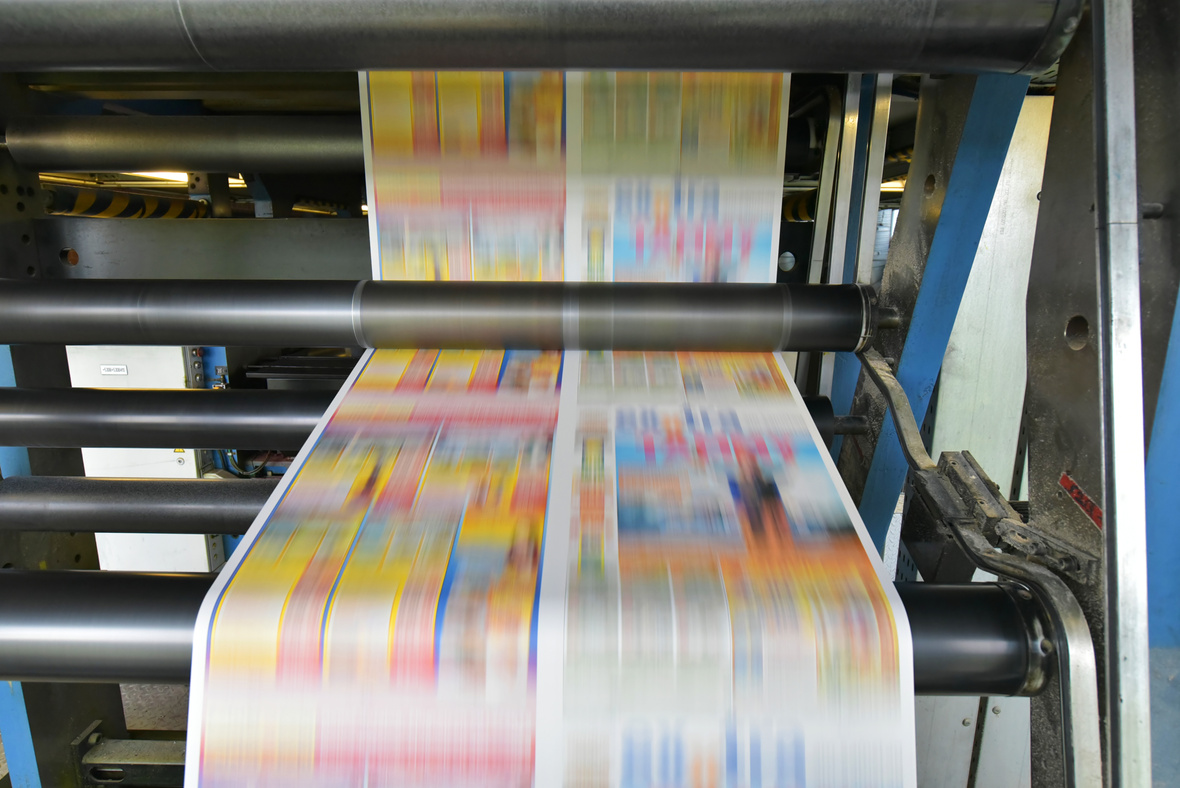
column 106, row 204
column 799, row 207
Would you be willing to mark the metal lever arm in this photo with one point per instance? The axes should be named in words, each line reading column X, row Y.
column 963, row 511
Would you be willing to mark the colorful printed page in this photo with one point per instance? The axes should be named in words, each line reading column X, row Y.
column 378, row 625
column 584, row 176
column 725, row 624
column 674, row 177
column 494, row 568
column 468, row 175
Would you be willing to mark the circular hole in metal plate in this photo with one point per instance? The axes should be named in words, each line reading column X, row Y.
column 1077, row 332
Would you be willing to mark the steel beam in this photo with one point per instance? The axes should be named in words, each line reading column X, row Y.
column 548, row 315
column 305, row 35
column 132, row 627
column 1128, row 685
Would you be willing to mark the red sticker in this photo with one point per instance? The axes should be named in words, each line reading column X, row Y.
column 1092, row 510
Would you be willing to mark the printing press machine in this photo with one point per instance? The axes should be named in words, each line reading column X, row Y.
column 262, row 250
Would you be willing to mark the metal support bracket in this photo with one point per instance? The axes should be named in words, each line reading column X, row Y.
column 954, row 504
column 127, row 762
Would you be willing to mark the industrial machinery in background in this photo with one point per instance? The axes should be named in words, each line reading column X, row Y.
column 188, row 180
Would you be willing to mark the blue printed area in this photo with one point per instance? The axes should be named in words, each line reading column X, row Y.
column 680, row 479
column 714, row 252
column 656, row 756
column 685, row 230
column 454, row 567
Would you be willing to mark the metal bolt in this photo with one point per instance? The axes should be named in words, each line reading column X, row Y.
column 966, row 722
column 995, row 709
column 1024, row 594
column 1071, row 25
column 180, row 460
column 1047, row 645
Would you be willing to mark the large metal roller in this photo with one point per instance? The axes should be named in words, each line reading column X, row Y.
column 134, row 143
column 193, row 419
column 315, row 35
column 152, row 418
column 173, row 506
column 546, row 315
column 129, row 627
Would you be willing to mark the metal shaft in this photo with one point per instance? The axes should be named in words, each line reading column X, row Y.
column 314, row 35
column 67, row 503
column 132, row 627
column 185, row 418
column 549, row 315
column 117, row 143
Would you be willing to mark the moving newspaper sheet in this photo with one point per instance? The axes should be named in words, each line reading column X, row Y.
column 517, row 568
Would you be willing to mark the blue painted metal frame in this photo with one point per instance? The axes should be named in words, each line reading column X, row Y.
column 13, row 461
column 18, row 739
column 846, row 368
column 991, row 118
column 1163, row 522
column 14, row 718
column 1163, row 581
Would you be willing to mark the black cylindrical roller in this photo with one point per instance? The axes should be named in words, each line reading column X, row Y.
column 171, row 506
column 471, row 315
column 130, row 627
column 98, row 626
column 982, row 630
column 159, row 419
column 177, row 312
column 820, row 410
column 199, row 143
column 918, row 36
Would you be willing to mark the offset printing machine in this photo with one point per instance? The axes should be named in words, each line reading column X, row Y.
column 130, row 88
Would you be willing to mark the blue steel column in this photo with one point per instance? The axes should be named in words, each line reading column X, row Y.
column 846, row 369
column 991, row 119
column 14, row 717
column 13, row 461
column 1163, row 579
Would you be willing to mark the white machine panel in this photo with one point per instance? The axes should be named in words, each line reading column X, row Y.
column 143, row 367
column 127, row 367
